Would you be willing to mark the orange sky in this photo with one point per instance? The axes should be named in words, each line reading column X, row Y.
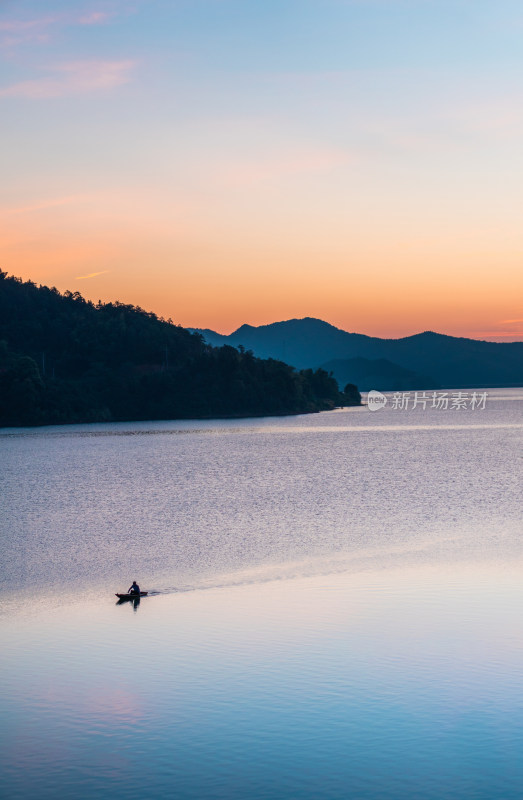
column 201, row 275
column 340, row 176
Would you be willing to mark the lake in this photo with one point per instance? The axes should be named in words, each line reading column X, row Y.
column 335, row 609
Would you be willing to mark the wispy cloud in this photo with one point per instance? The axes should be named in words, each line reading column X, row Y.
column 503, row 329
column 15, row 32
column 495, row 335
column 75, row 77
column 45, row 204
column 20, row 25
column 94, row 18
column 21, row 31
column 91, row 275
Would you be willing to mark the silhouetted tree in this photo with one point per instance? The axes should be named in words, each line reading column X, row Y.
column 64, row 359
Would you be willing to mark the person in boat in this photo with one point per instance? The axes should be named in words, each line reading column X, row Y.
column 134, row 589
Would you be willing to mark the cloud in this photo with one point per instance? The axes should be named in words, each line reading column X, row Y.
column 500, row 333
column 21, row 25
column 91, row 275
column 14, row 32
column 94, row 18
column 497, row 335
column 44, row 204
column 75, row 77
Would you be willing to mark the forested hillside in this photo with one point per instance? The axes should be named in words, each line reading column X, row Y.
column 64, row 359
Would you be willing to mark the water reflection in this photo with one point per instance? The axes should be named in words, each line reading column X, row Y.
column 395, row 674
column 378, row 685
column 134, row 601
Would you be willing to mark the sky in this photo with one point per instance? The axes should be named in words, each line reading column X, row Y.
column 223, row 162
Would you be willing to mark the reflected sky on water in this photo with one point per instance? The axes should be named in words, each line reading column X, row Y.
column 398, row 683
column 335, row 609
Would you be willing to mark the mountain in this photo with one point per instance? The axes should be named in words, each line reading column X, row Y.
column 450, row 361
column 301, row 341
column 64, row 359
column 368, row 374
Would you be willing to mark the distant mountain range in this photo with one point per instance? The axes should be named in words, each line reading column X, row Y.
column 425, row 360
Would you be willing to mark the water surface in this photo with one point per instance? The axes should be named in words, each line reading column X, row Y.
column 337, row 607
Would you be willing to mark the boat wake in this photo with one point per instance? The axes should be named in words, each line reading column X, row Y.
column 398, row 556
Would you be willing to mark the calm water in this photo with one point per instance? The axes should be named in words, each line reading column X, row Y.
column 337, row 607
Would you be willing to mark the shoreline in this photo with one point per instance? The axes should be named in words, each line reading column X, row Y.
column 223, row 417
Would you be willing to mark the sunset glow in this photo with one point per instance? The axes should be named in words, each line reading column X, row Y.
column 229, row 163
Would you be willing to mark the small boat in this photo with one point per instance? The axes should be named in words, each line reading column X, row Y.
column 131, row 596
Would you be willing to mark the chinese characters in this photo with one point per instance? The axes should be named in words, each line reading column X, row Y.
column 441, row 401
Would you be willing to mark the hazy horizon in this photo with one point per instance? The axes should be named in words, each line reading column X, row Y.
column 384, row 336
column 230, row 331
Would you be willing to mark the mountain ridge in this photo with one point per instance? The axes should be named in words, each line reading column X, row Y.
column 450, row 361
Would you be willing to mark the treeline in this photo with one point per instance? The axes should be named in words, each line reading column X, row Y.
column 64, row 359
